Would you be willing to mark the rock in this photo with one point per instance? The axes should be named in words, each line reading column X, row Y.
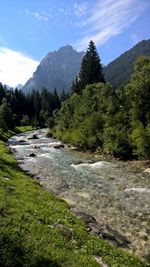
column 32, row 155
column 95, row 228
column 57, row 146
column 102, row 231
column 85, row 216
column 115, row 237
column 30, row 174
column 35, row 147
column 34, row 136
column 21, row 141
column 78, row 162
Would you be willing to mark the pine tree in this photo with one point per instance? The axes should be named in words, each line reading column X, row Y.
column 2, row 93
column 63, row 96
column 75, row 86
column 56, row 100
column 91, row 68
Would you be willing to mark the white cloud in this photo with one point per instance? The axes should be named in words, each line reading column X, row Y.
column 15, row 67
column 80, row 9
column 36, row 15
column 109, row 18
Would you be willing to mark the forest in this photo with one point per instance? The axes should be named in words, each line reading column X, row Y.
column 35, row 108
column 99, row 118
column 94, row 116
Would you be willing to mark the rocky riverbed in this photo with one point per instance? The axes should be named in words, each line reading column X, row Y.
column 112, row 196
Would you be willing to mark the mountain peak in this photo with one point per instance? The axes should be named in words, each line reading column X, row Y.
column 57, row 70
column 68, row 47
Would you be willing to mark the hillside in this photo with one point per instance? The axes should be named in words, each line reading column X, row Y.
column 118, row 72
column 56, row 70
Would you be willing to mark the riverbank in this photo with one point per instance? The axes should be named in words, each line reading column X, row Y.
column 37, row 228
column 143, row 165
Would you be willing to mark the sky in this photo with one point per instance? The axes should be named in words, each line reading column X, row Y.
column 30, row 29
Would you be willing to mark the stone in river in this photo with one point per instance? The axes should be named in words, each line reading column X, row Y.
column 85, row 216
column 32, row 155
column 57, row 146
column 22, row 141
column 34, row 136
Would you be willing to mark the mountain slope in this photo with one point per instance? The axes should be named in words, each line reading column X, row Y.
column 56, row 70
column 118, row 72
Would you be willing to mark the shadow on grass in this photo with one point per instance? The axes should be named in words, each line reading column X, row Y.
column 13, row 254
column 6, row 163
column 8, row 168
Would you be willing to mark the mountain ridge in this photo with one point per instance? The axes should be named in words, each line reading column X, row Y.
column 118, row 72
column 56, row 70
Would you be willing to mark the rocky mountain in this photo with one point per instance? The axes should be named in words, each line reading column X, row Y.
column 56, row 70
column 119, row 71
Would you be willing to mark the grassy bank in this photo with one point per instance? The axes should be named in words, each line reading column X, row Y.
column 37, row 229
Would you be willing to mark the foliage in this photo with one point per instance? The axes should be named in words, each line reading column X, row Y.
column 115, row 122
column 6, row 116
column 25, row 120
column 138, row 96
column 16, row 108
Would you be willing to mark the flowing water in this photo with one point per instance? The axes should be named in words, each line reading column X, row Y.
column 115, row 193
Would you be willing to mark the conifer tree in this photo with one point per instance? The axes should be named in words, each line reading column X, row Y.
column 91, row 68
column 75, row 85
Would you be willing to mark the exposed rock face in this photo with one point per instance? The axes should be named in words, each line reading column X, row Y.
column 56, row 70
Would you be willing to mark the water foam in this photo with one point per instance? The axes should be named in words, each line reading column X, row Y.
column 34, row 160
column 137, row 190
column 45, row 156
column 95, row 165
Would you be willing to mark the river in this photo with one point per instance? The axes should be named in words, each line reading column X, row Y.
column 114, row 192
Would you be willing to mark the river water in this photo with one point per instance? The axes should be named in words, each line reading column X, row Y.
column 115, row 193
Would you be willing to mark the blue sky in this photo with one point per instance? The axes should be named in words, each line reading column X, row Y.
column 29, row 29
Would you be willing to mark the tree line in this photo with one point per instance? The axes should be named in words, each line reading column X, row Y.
column 35, row 108
column 99, row 118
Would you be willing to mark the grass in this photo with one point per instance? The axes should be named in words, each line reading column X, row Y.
column 37, row 228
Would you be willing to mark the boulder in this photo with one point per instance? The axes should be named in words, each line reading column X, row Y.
column 32, row 155
column 58, row 146
column 21, row 141
column 34, row 136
